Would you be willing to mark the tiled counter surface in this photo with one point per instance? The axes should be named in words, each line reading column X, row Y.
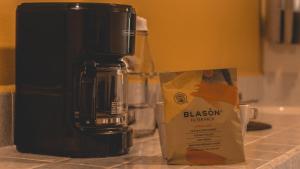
column 277, row 148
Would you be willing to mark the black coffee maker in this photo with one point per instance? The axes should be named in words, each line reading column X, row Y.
column 71, row 80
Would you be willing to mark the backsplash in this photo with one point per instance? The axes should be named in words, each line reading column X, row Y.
column 6, row 118
column 279, row 85
column 250, row 87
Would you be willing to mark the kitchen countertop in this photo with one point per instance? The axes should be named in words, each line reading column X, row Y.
column 276, row 148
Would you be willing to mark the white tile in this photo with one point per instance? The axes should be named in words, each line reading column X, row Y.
column 261, row 155
column 150, row 162
column 103, row 162
column 250, row 138
column 281, row 140
column 10, row 151
column 207, row 167
column 249, row 164
column 14, row 163
column 270, row 147
column 67, row 166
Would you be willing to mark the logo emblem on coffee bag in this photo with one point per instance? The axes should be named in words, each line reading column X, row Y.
column 180, row 98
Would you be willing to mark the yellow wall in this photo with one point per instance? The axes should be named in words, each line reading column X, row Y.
column 6, row 41
column 195, row 34
column 184, row 34
column 7, row 38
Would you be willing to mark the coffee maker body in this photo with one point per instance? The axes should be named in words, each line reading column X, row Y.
column 70, row 78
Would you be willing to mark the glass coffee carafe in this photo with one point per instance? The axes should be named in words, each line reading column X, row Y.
column 102, row 94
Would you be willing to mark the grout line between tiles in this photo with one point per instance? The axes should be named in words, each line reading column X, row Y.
column 41, row 165
column 235, row 167
column 278, row 144
column 63, row 160
column 281, row 156
column 126, row 162
column 268, row 135
column 47, row 161
column 119, row 165
column 265, row 151
column 259, row 159
column 86, row 165
column 227, row 167
column 292, row 146
column 91, row 165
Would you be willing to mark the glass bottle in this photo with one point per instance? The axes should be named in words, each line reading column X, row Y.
column 142, row 86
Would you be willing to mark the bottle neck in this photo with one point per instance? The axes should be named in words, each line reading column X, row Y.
column 142, row 32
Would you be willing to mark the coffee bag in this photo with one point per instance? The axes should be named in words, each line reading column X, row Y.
column 201, row 122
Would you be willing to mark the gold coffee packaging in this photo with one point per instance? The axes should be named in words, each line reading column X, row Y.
column 201, row 124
